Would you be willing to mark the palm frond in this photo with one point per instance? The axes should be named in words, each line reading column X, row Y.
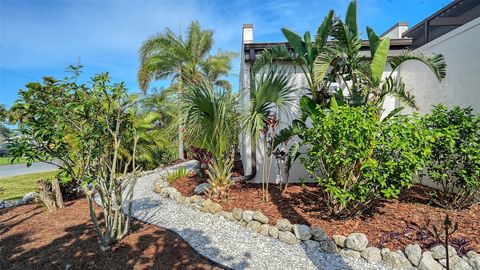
column 436, row 63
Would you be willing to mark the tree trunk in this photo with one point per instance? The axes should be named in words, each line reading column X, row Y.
column 45, row 196
column 57, row 193
column 181, row 154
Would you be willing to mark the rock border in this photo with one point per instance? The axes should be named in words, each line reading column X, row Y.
column 355, row 245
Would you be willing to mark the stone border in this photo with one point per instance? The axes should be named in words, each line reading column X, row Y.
column 354, row 245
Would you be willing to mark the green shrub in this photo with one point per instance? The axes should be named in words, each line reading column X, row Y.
column 177, row 174
column 455, row 160
column 357, row 159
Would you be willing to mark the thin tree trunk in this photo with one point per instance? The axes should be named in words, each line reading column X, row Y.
column 57, row 192
column 181, row 155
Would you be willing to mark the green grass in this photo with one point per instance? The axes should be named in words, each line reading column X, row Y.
column 6, row 161
column 19, row 185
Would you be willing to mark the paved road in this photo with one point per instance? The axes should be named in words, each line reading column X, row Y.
column 19, row 169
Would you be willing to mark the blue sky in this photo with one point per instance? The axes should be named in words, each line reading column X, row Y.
column 41, row 38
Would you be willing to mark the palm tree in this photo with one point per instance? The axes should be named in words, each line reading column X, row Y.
column 170, row 56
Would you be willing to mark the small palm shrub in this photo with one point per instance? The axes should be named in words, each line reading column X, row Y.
column 177, row 174
column 220, row 177
column 455, row 162
column 357, row 159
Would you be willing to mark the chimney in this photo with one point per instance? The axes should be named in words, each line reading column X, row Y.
column 247, row 35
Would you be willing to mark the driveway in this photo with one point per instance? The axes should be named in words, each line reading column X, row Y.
column 19, row 169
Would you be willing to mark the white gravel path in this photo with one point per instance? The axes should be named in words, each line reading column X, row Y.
column 225, row 242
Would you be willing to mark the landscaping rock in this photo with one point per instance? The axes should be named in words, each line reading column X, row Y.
column 318, row 233
column 264, row 229
column 328, row 246
column 372, row 255
column 159, row 185
column 165, row 192
column 237, row 213
column 474, row 259
column 357, row 241
column 339, row 240
column 383, row 251
column 288, row 237
column 414, row 254
column 254, row 225
column 302, row 232
column 428, row 262
column 284, row 225
column 2, row 204
column 396, row 260
column 273, row 231
column 350, row 253
column 197, row 200
column 212, row 207
column 310, row 244
column 200, row 189
column 456, row 263
column 260, row 217
column 247, row 216
column 439, row 252
column 30, row 196
column 227, row 215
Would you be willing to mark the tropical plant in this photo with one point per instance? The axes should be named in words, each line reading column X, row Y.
column 335, row 57
column 357, row 159
column 181, row 172
column 443, row 235
column 271, row 94
column 219, row 177
column 167, row 55
column 90, row 130
column 455, row 162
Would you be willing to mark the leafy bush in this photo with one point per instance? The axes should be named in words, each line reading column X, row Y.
column 357, row 159
column 177, row 174
column 455, row 160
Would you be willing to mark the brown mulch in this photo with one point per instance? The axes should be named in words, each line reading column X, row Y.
column 31, row 238
column 392, row 223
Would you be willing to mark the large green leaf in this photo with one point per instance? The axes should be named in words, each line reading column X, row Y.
column 321, row 64
column 308, row 47
column 323, row 31
column 293, row 154
column 380, row 59
column 351, row 19
column 373, row 41
column 295, row 41
column 436, row 62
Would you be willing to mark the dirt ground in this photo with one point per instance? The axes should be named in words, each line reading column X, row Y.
column 392, row 223
column 31, row 238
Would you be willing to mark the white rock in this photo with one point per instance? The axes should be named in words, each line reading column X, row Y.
column 328, row 246
column 264, row 229
column 350, row 253
column 456, row 263
column 302, row 232
column 30, row 196
column 247, row 216
column 288, row 237
column 428, row 262
column 339, row 240
column 311, row 244
column 237, row 213
column 357, row 241
column 273, row 232
column 439, row 252
column 284, row 225
column 396, row 260
column 383, row 251
column 414, row 253
column 200, row 189
column 254, row 225
column 318, row 233
column 372, row 255
column 474, row 259
column 260, row 217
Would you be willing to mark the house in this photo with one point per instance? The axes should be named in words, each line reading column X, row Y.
column 453, row 31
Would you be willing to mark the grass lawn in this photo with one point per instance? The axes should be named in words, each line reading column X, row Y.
column 6, row 161
column 17, row 186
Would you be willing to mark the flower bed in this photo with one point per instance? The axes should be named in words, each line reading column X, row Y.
column 394, row 224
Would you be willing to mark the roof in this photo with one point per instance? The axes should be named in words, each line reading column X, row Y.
column 448, row 18
column 251, row 50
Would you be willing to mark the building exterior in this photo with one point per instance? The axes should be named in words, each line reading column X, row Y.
column 453, row 31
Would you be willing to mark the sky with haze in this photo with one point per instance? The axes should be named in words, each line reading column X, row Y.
column 41, row 38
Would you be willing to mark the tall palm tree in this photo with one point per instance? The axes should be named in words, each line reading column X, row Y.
column 169, row 56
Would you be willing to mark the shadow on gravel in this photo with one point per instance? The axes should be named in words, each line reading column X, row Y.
column 327, row 261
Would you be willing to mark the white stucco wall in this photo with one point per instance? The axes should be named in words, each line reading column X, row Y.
column 461, row 49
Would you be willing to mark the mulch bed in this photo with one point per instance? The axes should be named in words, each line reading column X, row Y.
column 392, row 223
column 31, row 238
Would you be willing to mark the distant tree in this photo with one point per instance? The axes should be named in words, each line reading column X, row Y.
column 168, row 55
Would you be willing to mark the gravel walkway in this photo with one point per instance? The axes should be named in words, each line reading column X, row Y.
column 226, row 242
